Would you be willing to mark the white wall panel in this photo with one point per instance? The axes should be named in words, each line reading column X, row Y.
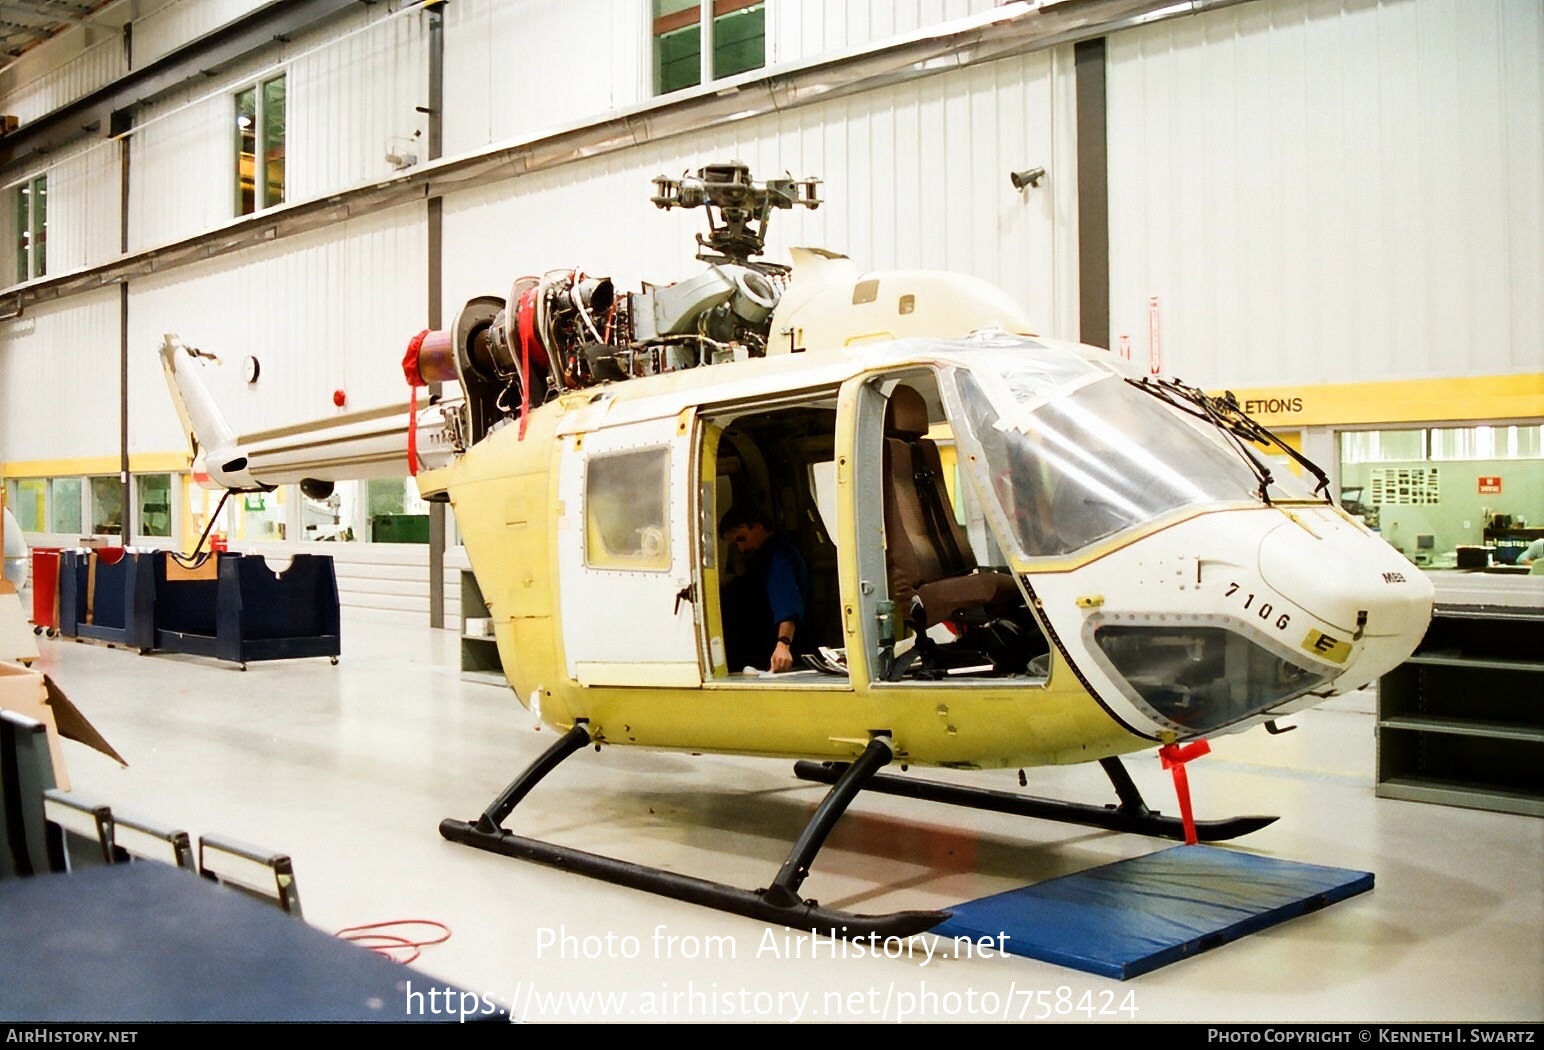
column 915, row 176
column 329, row 310
column 83, row 213
column 59, row 380
column 169, row 26
column 84, row 206
column 58, row 72
column 182, row 171
column 1331, row 190
column 345, row 102
column 798, row 30
column 518, row 68
column 346, row 98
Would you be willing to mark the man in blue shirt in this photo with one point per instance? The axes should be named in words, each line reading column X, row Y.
column 1532, row 553
column 773, row 612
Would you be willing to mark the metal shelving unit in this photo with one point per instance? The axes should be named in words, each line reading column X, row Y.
column 1461, row 723
column 479, row 653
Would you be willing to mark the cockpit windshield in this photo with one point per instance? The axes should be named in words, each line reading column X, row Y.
column 1072, row 453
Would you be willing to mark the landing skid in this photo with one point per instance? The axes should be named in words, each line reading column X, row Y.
column 778, row 903
column 1131, row 815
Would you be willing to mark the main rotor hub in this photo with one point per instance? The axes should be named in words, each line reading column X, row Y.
column 734, row 202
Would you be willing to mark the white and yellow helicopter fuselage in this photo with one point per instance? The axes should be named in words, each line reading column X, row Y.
column 1271, row 607
column 1018, row 554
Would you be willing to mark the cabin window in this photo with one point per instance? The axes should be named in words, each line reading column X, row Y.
column 626, row 510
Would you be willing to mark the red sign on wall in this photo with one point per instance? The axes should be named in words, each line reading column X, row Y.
column 1490, row 485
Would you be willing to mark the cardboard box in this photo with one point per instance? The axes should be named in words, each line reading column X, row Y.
column 34, row 694
column 17, row 641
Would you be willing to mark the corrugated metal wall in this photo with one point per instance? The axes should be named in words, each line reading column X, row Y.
column 45, row 79
column 329, row 310
column 84, row 205
column 524, row 67
column 1331, row 190
column 158, row 32
column 182, row 171
column 346, row 103
column 802, row 29
column 517, row 68
column 59, row 380
column 83, row 212
column 915, row 176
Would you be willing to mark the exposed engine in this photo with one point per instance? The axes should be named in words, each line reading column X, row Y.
column 567, row 330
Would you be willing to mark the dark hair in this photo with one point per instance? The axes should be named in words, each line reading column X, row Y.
column 737, row 516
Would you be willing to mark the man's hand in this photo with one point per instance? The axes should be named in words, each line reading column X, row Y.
column 782, row 658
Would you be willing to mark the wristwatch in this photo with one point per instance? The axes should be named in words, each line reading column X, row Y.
column 783, row 639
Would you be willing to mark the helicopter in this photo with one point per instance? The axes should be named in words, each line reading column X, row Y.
column 1019, row 552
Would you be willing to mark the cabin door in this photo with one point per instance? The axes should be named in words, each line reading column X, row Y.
column 624, row 555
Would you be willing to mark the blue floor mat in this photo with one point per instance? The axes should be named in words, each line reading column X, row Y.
column 1127, row 918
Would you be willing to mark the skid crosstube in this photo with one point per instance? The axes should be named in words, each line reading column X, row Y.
column 1131, row 815
column 806, row 915
column 778, row 903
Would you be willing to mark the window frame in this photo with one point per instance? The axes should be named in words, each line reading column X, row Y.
column 601, row 510
column 708, row 12
column 143, row 483
column 31, row 244
column 263, row 137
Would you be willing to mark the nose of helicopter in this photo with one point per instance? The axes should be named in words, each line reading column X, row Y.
column 1356, row 582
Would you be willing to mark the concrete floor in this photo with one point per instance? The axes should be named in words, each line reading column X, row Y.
column 350, row 769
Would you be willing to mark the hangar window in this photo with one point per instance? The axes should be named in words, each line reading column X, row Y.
column 31, row 210
column 697, row 41
column 626, row 504
column 106, row 506
column 260, row 121
column 1432, row 491
column 65, row 503
column 395, row 512
column 46, row 504
column 27, row 500
column 154, row 494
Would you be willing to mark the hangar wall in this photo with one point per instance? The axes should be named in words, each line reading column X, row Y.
column 1330, row 191
column 84, row 206
column 71, row 345
column 526, row 68
column 163, row 27
column 324, row 311
column 75, row 63
column 85, row 58
column 1247, row 149
column 914, row 176
column 347, row 101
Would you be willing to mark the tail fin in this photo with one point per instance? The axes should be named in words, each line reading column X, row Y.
column 209, row 436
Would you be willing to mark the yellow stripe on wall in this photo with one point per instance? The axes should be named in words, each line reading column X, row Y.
column 1460, row 399
column 139, row 463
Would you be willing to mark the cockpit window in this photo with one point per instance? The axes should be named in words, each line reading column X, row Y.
column 1096, row 459
column 1031, row 378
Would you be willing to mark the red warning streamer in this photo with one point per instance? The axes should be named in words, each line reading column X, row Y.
column 415, row 379
column 527, row 319
column 1174, row 757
